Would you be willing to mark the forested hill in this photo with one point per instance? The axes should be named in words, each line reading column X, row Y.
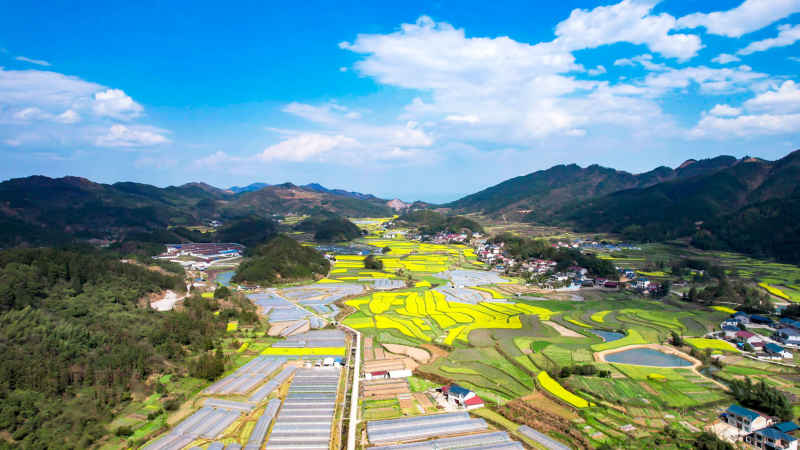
column 751, row 207
column 432, row 222
column 76, row 341
column 546, row 191
column 40, row 210
column 281, row 260
column 288, row 198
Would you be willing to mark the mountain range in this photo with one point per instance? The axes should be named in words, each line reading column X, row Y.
column 545, row 191
column 748, row 204
column 39, row 209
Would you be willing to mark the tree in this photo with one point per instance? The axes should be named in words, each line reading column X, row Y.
column 222, row 292
column 762, row 397
column 372, row 263
column 676, row 339
column 708, row 441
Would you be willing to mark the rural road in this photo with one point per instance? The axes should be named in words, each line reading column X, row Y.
column 351, row 430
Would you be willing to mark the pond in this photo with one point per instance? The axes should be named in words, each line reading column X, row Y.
column 608, row 336
column 224, row 278
column 347, row 250
column 647, row 357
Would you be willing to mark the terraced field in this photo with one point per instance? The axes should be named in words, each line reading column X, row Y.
column 505, row 348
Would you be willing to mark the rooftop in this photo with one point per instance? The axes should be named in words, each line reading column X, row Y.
column 773, row 433
column 774, row 348
column 787, row 427
column 743, row 412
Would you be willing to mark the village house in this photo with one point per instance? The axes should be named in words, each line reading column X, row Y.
column 787, row 322
column 775, row 351
column 729, row 331
column 742, row 318
column 787, row 336
column 746, row 337
column 744, row 419
column 461, row 396
column 776, row 437
column 730, row 322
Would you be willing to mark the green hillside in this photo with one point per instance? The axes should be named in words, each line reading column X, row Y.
column 546, row 191
column 76, row 342
column 281, row 260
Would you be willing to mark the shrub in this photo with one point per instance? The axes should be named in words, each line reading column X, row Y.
column 124, row 431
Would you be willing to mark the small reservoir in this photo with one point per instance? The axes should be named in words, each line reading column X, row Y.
column 608, row 336
column 647, row 357
column 224, row 278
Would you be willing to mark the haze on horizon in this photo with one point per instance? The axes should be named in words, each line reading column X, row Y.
column 411, row 101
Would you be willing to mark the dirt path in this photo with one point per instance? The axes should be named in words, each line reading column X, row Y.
column 167, row 302
column 562, row 330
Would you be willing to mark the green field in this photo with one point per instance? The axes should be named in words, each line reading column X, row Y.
column 508, row 350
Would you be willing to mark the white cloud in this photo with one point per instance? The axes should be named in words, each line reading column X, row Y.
column 68, row 117
column 44, row 89
column 725, row 58
column 599, row 70
column 710, row 80
column 342, row 69
column 751, row 15
column 786, row 99
column 116, row 104
column 306, row 147
column 377, row 139
column 119, row 135
column 645, row 61
column 38, row 62
column 725, row 111
column 214, row 160
column 772, row 112
column 515, row 90
column 794, row 58
column 787, row 35
column 52, row 110
column 627, row 21
column 330, row 113
column 421, row 56
column 28, row 114
column 746, row 126
column 463, row 118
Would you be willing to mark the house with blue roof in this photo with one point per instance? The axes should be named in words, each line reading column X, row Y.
column 771, row 438
column 762, row 320
column 791, row 323
column 776, row 351
column 744, row 419
column 730, row 331
column 787, row 427
column 741, row 317
column 787, row 336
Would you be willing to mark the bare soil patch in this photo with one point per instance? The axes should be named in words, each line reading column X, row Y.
column 562, row 330
column 415, row 353
column 436, row 352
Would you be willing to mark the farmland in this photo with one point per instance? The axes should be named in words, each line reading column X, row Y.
column 507, row 348
column 432, row 309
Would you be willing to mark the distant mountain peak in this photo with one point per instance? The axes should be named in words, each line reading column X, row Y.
column 249, row 188
column 687, row 163
column 397, row 204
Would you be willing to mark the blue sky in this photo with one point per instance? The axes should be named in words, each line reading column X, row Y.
column 412, row 100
